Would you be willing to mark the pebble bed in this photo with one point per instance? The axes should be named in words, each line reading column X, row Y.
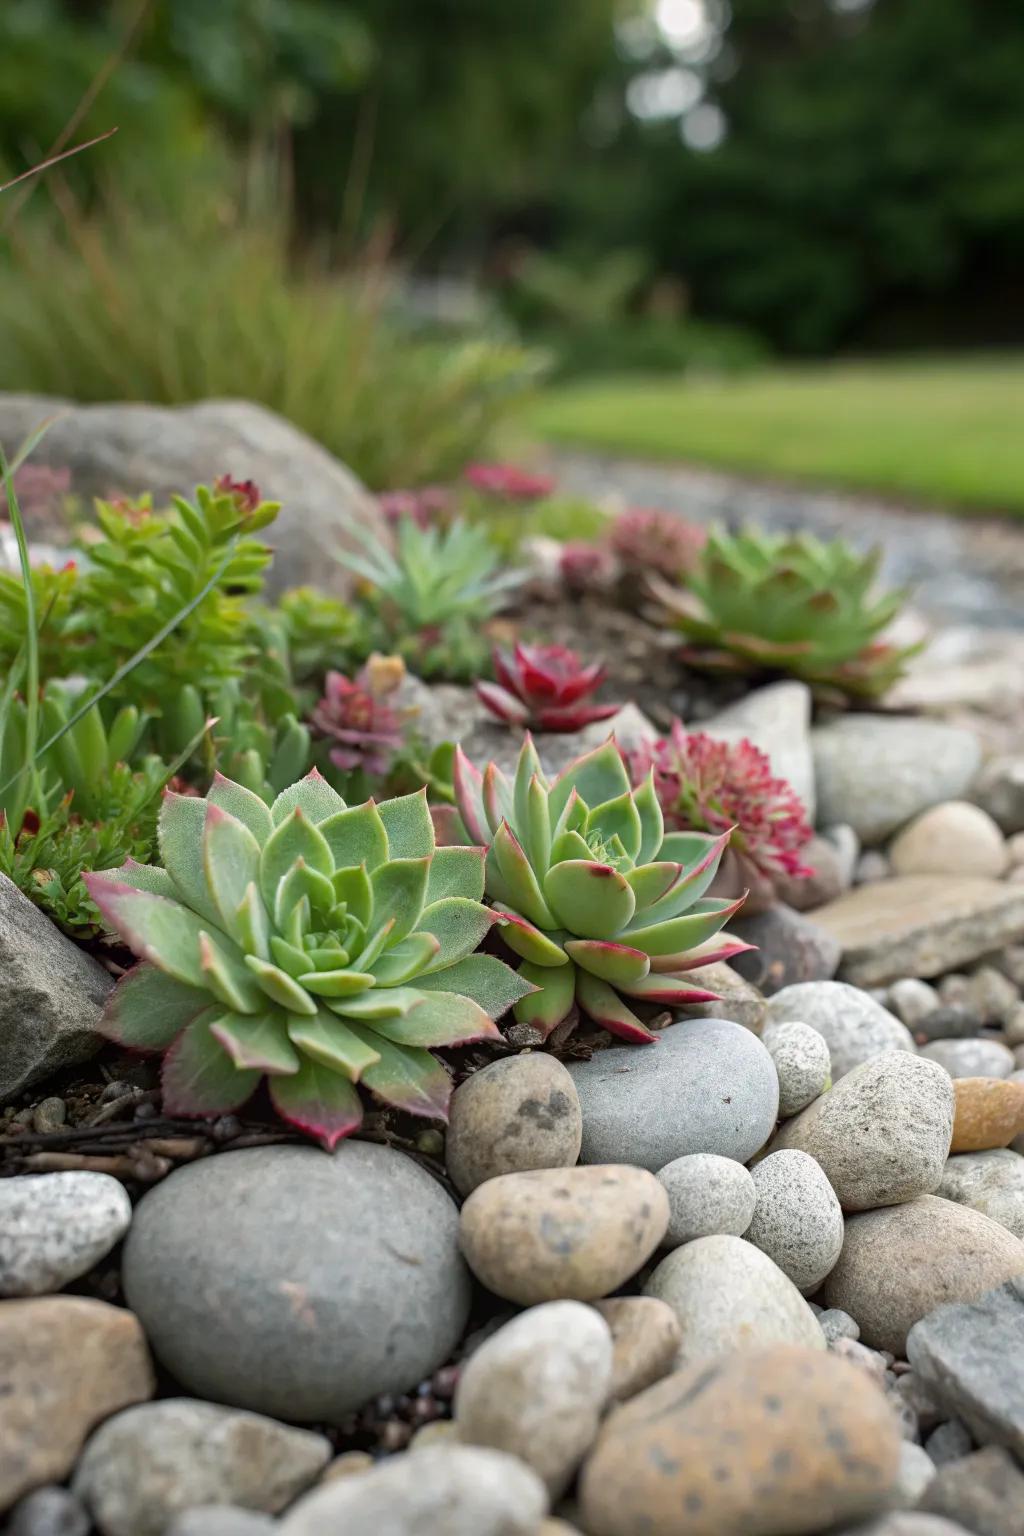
column 762, row 1278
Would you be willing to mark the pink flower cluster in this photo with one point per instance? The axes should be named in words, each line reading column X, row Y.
column 709, row 786
column 508, row 482
column 424, row 505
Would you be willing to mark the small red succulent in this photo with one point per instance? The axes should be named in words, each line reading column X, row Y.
column 424, row 505
column 705, row 785
column 544, row 687
column 354, row 714
column 651, row 539
column 508, row 482
column 246, row 492
column 586, row 567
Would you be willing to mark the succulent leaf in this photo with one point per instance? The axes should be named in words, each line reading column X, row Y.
column 319, row 1101
column 199, row 1077
column 333, row 1043
column 312, row 795
column 244, row 805
column 409, row 829
column 553, row 999
column 148, row 1009
column 257, row 1041
column 590, row 899
column 456, row 872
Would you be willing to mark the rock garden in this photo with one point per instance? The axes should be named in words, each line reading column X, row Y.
column 513, row 1011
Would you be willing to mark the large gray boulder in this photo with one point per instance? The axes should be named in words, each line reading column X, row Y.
column 51, row 999
column 126, row 448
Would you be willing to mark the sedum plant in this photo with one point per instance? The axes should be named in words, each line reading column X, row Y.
column 788, row 603
column 717, row 786
column 603, row 907
column 314, row 943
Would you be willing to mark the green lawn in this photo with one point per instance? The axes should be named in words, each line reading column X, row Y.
column 942, row 431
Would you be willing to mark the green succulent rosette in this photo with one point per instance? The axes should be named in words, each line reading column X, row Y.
column 313, row 943
column 604, row 908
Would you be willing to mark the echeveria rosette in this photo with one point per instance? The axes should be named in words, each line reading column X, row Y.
column 604, row 908
column 544, row 686
column 314, row 943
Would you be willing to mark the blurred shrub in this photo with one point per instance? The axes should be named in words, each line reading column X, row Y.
column 129, row 301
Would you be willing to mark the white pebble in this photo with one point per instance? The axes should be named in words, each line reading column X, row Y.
column 707, row 1194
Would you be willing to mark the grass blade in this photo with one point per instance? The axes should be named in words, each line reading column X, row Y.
column 27, row 773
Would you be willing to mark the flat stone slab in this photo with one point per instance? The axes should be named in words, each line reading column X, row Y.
column 920, row 925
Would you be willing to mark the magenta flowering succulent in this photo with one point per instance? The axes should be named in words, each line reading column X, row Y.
column 545, row 687
column 508, row 482
column 713, row 786
column 605, row 909
column 355, row 715
column 649, row 539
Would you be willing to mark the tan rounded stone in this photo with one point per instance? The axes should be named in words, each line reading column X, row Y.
column 955, row 838
column 563, row 1233
column 645, row 1342
column 772, row 1443
column 66, row 1364
column 989, row 1113
column 901, row 1262
column 348, row 1464
column 519, row 1113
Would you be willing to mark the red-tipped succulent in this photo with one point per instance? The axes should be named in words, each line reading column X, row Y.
column 508, row 482
column 586, row 567
column 355, row 715
column 709, row 786
column 424, row 505
column 544, row 687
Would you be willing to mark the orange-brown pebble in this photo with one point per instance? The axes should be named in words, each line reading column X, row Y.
column 989, row 1113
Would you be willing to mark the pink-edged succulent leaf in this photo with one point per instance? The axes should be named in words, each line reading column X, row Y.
column 231, row 863
column 281, row 989
column 449, row 827
column 199, row 1078
column 519, row 887
column 617, row 818
column 597, row 776
column 468, row 786
column 652, row 822
column 408, row 826
column 552, row 1001
column 257, row 1042
column 155, row 929
column 141, row 877
column 313, row 795
column 405, row 960
column 180, row 837
column 399, row 888
column 592, row 900
column 502, row 704
column 148, row 1010
column 294, row 839
column 721, row 947
column 334, row 1044
column 671, row 991
column 439, row 1019
column 614, row 963
column 410, row 1079
column 488, row 981
column 319, row 1102
column 528, row 941
column 572, row 717
column 603, row 1004
column 226, row 976
column 703, row 920
column 499, row 797
column 651, row 882
column 356, row 835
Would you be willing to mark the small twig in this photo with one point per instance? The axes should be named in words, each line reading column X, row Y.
column 65, row 154
column 144, row 1168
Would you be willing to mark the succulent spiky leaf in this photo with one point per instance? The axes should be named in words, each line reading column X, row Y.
column 199, row 1077
column 149, row 1010
column 319, row 1101
column 553, row 999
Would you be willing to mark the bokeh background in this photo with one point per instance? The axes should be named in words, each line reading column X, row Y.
column 780, row 236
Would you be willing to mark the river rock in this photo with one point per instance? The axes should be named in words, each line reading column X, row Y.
column 518, row 1113
column 645, row 1342
column 763, row 1443
column 445, row 1490
column 989, row 1113
column 917, row 1470
column 971, row 1058
column 221, row 1520
column 854, row 1026
column 706, row 1194
column 562, row 1233
column 49, row 1511
column 921, row 925
column 797, row 1219
column 831, row 873
column 52, row 997
column 983, row 1491
column 146, row 1464
column 913, row 1001
column 999, row 789
column 914, row 764
column 729, row 1295
column 122, row 449
column 789, row 949
column 881, row 1134
column 66, row 1362
column 907, row 1523
column 777, row 719
column 900, row 1263
column 56, row 1227
column 736, row 999
column 955, row 838
column 803, row 1063
column 298, row 1283
column 968, row 1354
column 537, row 1388
column 708, row 1085
column 990, row 1182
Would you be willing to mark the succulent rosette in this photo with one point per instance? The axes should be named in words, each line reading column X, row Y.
column 604, row 908
column 544, row 686
column 313, row 943
column 712, row 786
